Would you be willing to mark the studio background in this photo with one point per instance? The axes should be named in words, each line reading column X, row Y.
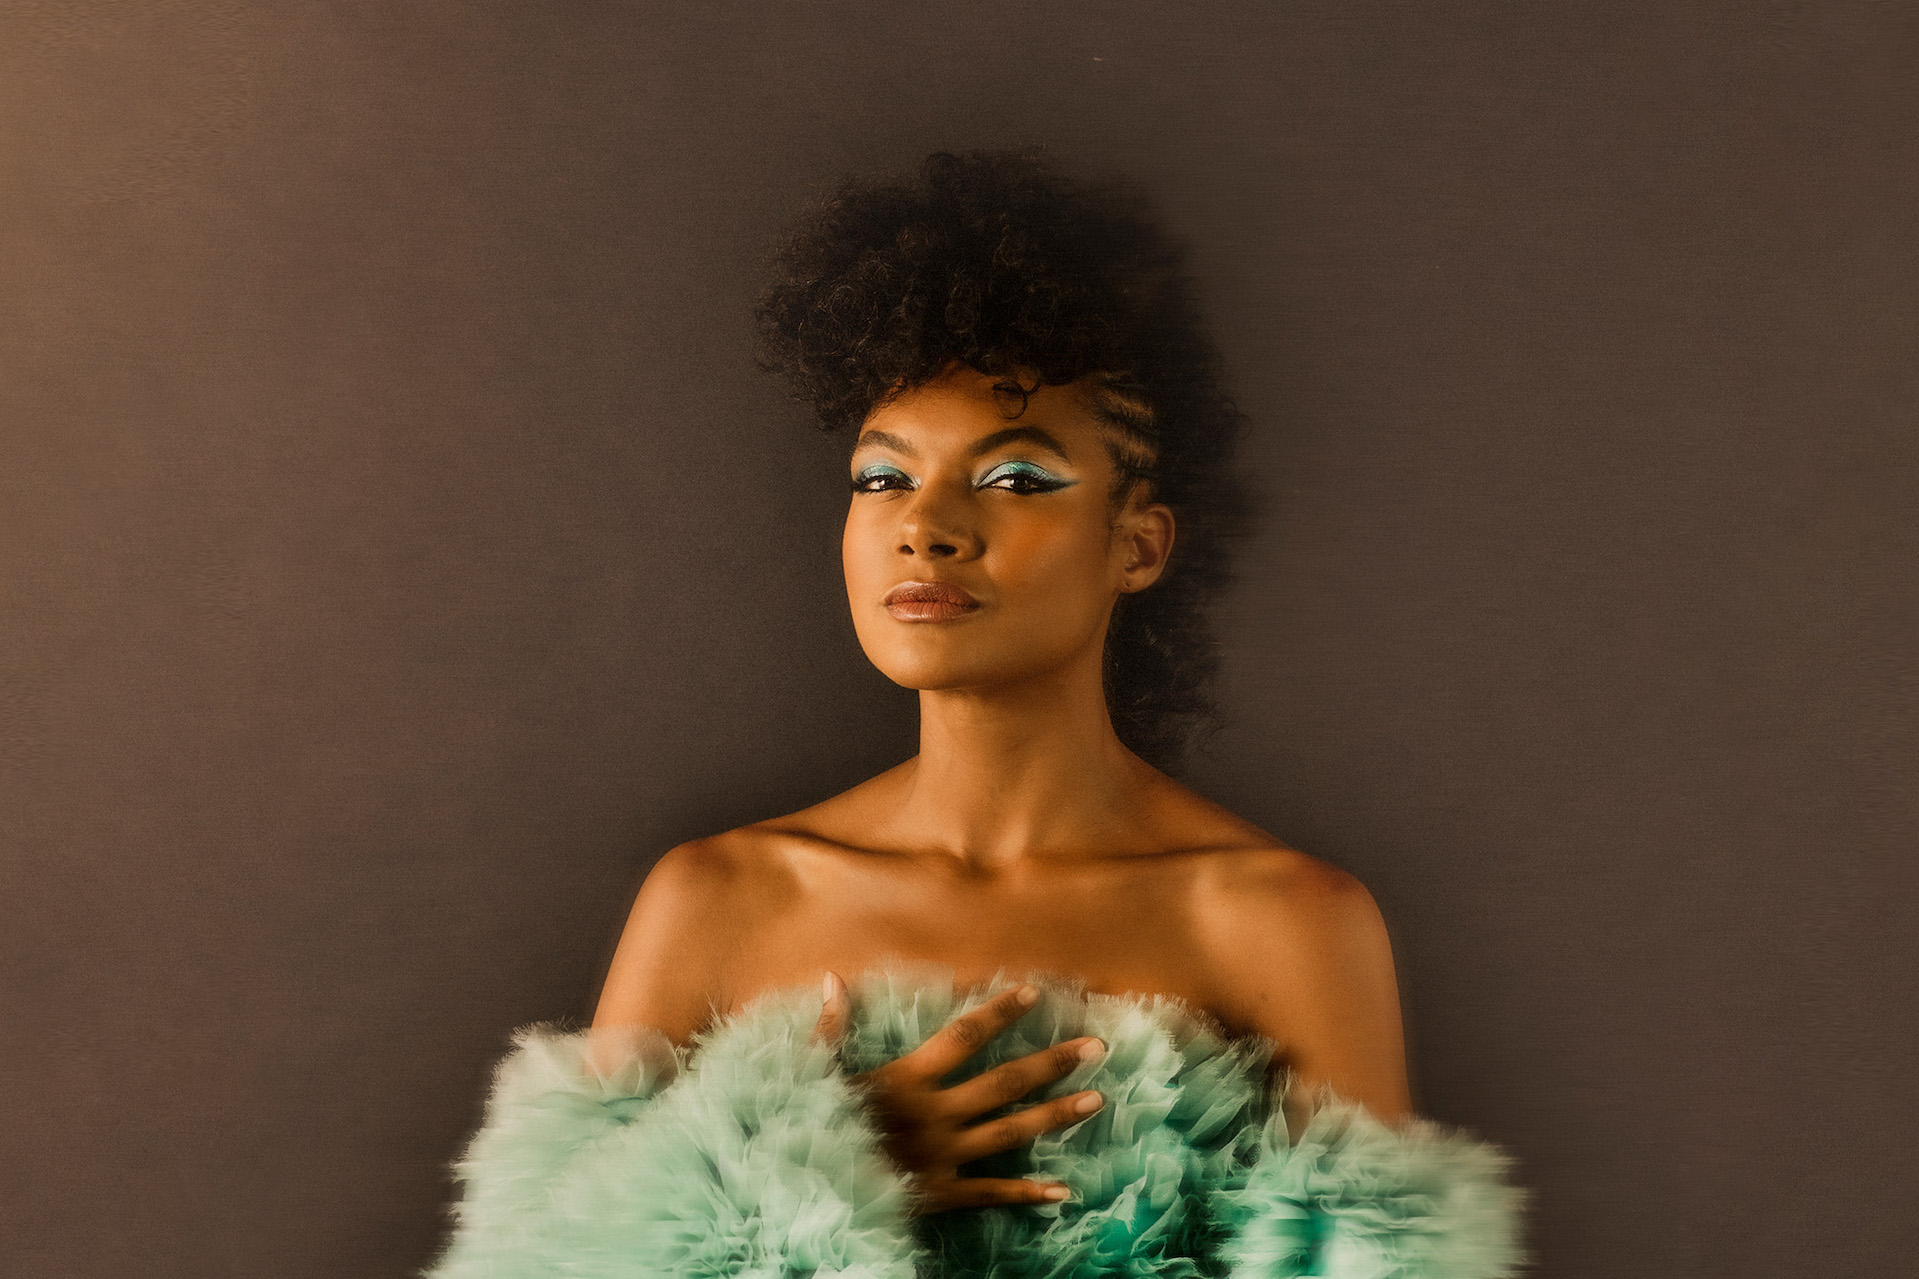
column 399, row 550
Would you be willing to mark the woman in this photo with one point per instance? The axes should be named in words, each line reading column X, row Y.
column 1040, row 507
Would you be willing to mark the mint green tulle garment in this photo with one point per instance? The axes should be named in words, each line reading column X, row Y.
column 751, row 1152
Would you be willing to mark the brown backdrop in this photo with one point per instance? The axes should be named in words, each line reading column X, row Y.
column 399, row 551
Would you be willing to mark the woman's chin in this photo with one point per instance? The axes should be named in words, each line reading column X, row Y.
column 928, row 673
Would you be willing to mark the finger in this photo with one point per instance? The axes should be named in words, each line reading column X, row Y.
column 1021, row 1127
column 835, row 1009
column 984, row 1192
column 969, row 1032
column 1012, row 1080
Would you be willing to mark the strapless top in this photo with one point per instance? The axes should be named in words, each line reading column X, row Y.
column 751, row 1152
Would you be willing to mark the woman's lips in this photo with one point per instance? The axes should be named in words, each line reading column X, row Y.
column 929, row 602
column 929, row 610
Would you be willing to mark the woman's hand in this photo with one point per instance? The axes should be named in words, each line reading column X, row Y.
column 924, row 1124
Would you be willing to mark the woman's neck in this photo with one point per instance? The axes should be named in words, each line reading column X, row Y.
column 1018, row 772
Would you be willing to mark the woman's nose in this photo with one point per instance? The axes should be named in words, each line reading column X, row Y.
column 937, row 526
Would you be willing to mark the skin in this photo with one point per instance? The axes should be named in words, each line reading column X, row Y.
column 1023, row 836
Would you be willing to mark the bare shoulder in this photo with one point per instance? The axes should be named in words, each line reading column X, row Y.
column 1270, row 916
column 1250, row 875
column 1299, row 952
column 691, row 909
column 1251, row 892
column 1277, row 893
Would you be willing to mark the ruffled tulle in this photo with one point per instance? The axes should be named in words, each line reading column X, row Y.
column 751, row 1153
column 1355, row 1199
column 748, row 1154
column 1182, row 1104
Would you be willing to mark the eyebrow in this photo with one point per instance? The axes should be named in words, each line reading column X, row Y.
column 1023, row 434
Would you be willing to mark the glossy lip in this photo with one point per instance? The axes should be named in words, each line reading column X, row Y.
column 939, row 592
column 929, row 602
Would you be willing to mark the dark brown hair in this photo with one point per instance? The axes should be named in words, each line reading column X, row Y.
column 997, row 260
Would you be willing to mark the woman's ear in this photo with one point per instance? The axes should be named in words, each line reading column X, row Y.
column 1145, row 541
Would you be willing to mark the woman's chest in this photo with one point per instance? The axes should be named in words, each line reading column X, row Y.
column 1124, row 930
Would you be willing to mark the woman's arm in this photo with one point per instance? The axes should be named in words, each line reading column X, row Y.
column 671, row 956
column 1348, row 1178
column 635, row 1151
column 1304, row 959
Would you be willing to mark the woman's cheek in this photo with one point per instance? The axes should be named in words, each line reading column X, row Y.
column 864, row 560
column 1057, row 598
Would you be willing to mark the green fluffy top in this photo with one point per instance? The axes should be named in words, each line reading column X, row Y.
column 749, row 1152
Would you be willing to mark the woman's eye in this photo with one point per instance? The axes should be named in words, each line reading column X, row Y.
column 1024, row 477
column 1014, row 477
column 876, row 479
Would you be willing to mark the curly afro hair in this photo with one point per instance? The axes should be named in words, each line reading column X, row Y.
column 995, row 259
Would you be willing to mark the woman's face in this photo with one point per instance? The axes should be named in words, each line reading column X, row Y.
column 1010, row 512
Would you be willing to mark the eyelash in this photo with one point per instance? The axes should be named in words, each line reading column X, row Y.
column 1039, row 480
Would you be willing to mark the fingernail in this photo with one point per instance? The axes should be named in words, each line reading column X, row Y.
column 826, row 987
column 1027, row 994
column 1057, row 1192
column 1089, row 1103
column 1092, row 1050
